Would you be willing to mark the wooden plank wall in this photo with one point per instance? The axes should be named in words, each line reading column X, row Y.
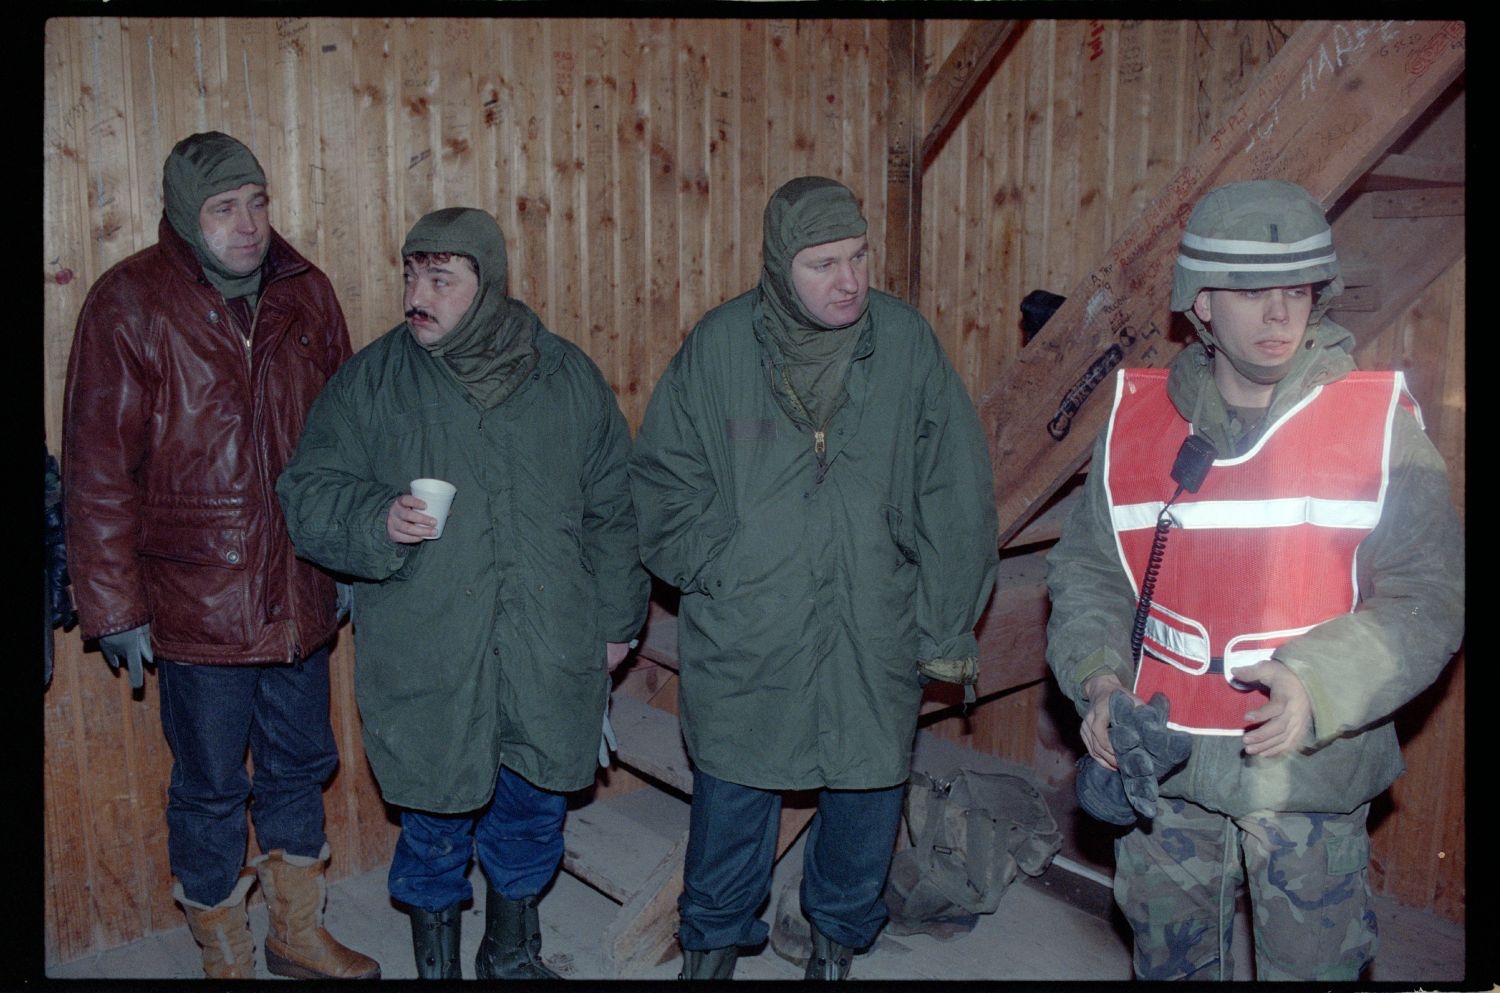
column 628, row 162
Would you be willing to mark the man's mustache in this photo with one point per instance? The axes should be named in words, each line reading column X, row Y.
column 418, row 312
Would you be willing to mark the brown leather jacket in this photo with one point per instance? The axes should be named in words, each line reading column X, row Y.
column 175, row 430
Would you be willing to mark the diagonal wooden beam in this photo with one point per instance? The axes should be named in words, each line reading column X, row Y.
column 964, row 73
column 1331, row 102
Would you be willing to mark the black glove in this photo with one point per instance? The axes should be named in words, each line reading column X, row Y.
column 1145, row 748
column 132, row 647
column 1101, row 793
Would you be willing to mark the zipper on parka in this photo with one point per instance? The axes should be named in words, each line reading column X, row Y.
column 820, row 435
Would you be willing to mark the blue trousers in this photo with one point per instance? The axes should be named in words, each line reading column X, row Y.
column 732, row 847
column 210, row 715
column 518, row 836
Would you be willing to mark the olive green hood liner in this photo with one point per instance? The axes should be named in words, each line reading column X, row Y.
column 806, row 211
column 201, row 166
column 491, row 351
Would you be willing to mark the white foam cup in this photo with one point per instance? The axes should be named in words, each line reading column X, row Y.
column 438, row 495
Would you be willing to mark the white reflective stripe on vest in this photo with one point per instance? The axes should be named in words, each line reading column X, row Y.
column 1280, row 513
column 1252, row 649
column 1182, row 643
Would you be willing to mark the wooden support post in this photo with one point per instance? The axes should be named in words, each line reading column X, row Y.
column 903, row 191
column 1335, row 97
column 1390, row 255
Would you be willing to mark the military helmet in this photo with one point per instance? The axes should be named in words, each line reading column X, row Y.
column 1253, row 235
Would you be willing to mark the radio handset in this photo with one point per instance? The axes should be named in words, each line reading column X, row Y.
column 1189, row 469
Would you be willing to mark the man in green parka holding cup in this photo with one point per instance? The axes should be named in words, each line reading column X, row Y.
column 481, row 651
column 812, row 475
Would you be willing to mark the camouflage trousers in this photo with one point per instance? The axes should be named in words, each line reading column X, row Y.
column 1308, row 878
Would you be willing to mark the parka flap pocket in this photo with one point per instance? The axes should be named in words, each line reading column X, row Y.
column 902, row 533
column 201, row 545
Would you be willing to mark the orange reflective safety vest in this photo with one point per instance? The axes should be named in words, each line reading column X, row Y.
column 1263, row 551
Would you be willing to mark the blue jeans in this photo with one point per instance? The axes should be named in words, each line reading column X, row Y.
column 732, row 846
column 519, row 839
column 210, row 715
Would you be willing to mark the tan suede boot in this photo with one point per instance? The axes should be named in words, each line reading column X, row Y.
column 222, row 931
column 296, row 943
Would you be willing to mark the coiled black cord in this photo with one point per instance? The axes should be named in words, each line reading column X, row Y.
column 1148, row 581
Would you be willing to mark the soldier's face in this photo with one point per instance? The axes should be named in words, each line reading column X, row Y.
column 437, row 296
column 1258, row 327
column 236, row 227
column 833, row 280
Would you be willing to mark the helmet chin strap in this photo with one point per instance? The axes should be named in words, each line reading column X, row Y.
column 1261, row 375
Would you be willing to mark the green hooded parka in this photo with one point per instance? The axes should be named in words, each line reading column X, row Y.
column 818, row 563
column 485, row 646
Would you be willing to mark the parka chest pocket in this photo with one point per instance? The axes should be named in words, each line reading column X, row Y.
column 421, row 440
column 428, row 417
column 301, row 362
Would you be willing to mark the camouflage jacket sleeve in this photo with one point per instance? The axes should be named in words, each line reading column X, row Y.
column 1093, row 601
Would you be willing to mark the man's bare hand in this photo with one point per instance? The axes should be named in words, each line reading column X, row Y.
column 1284, row 721
column 1095, row 729
column 405, row 524
column 615, row 652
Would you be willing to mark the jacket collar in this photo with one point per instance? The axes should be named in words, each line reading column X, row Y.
column 1190, row 382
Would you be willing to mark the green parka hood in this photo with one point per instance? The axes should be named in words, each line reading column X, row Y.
column 490, row 352
column 807, row 211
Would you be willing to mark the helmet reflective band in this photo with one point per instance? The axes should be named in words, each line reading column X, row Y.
column 1256, row 235
column 1211, row 255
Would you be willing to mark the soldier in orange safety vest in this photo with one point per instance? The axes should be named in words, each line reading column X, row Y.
column 1277, row 599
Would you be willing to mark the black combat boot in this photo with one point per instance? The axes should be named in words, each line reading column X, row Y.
column 434, row 942
column 716, row 963
column 512, row 945
column 829, row 959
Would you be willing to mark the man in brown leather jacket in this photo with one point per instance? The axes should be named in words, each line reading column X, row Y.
column 193, row 366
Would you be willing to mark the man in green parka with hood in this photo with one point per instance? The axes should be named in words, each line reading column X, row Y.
column 812, row 475
column 481, row 655
column 1311, row 583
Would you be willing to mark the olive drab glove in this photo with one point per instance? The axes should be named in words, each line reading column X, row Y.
column 132, row 647
column 1145, row 748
